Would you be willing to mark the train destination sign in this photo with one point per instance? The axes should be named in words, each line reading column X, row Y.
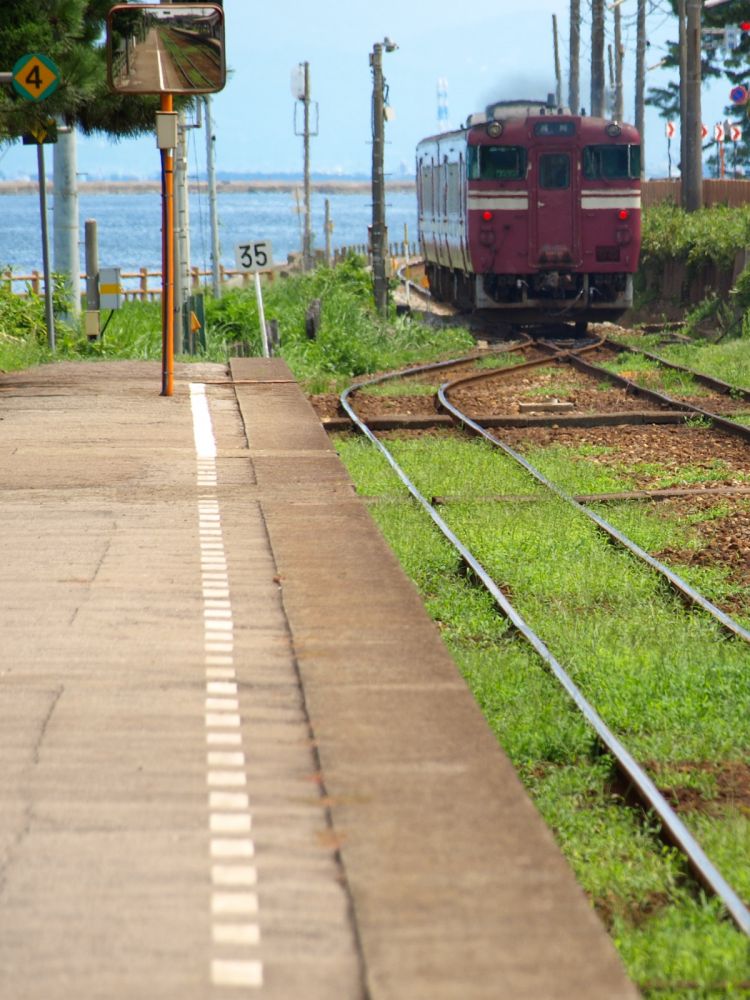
column 35, row 76
column 175, row 48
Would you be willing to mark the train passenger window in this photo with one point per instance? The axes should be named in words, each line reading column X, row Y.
column 454, row 189
column 496, row 163
column 554, row 170
column 611, row 163
column 427, row 190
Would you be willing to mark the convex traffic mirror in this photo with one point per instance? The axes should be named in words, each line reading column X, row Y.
column 175, row 48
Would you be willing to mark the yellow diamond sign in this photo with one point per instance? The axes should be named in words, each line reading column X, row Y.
column 35, row 76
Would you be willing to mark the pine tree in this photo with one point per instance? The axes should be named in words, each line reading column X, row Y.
column 716, row 61
column 71, row 33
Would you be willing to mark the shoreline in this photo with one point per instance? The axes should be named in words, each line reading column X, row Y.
column 223, row 187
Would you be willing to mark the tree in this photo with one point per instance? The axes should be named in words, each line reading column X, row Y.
column 71, row 33
column 717, row 60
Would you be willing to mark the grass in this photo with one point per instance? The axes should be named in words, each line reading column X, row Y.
column 405, row 387
column 651, row 375
column 728, row 360
column 573, row 469
column 352, row 340
column 663, row 677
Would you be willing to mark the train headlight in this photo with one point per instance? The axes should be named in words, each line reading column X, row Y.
column 494, row 129
column 487, row 216
column 623, row 215
column 613, row 130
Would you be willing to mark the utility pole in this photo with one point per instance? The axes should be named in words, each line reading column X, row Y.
column 212, row 204
column 640, row 81
column 49, row 315
column 328, row 226
column 618, row 101
column 378, row 230
column 301, row 92
column 574, row 88
column 597, row 58
column 67, row 257
column 182, row 233
column 692, row 176
column 558, row 77
column 682, row 17
column 307, row 257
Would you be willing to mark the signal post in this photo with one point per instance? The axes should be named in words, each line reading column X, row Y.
column 34, row 78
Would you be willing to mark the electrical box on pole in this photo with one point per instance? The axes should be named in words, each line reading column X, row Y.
column 166, row 129
column 110, row 288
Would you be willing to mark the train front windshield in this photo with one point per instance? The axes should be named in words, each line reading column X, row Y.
column 496, row 163
column 612, row 163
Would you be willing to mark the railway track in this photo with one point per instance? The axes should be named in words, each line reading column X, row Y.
column 188, row 68
column 537, row 356
column 690, row 594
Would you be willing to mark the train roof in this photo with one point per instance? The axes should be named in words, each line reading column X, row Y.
column 514, row 119
column 516, row 114
column 520, row 107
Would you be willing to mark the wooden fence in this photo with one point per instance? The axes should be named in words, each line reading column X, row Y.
column 137, row 286
column 733, row 193
column 143, row 291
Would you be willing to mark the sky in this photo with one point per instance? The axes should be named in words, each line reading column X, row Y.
column 486, row 50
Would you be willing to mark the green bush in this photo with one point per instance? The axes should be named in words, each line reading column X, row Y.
column 23, row 329
column 709, row 236
column 352, row 338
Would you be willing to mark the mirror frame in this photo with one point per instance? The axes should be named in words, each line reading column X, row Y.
column 175, row 9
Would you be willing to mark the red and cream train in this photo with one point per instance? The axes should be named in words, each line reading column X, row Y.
column 533, row 212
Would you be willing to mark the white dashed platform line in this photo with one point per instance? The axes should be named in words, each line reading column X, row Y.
column 235, row 933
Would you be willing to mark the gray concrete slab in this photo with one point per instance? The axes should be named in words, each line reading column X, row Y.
column 113, row 800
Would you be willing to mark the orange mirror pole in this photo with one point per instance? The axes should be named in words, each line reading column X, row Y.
column 167, row 256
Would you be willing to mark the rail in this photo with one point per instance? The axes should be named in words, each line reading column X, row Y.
column 674, row 828
column 681, row 586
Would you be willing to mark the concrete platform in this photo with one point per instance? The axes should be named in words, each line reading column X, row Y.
column 236, row 758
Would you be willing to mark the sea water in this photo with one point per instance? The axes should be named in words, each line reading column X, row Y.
column 129, row 225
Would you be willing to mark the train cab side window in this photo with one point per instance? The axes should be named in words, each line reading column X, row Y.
column 611, row 163
column 496, row 163
column 554, row 171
